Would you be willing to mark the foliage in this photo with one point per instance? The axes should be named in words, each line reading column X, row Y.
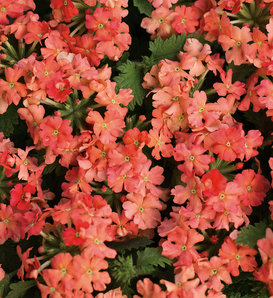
column 244, row 286
column 131, row 76
column 9, row 120
column 144, row 7
column 130, row 265
column 250, row 235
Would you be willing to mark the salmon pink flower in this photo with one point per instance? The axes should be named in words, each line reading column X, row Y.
column 238, row 255
column 87, row 272
column 228, row 143
column 159, row 143
column 148, row 289
column 52, row 278
column 149, row 178
column 107, row 129
column 54, row 131
column 235, row 44
column 96, row 235
column 10, row 224
column 180, row 244
column 160, row 23
column 195, row 162
column 192, row 191
column 213, row 272
column 254, row 187
column 36, row 31
column 236, row 89
column 143, row 210
column 186, row 19
column 33, row 116
column 12, row 89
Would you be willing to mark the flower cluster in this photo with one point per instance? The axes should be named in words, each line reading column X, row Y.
column 176, row 156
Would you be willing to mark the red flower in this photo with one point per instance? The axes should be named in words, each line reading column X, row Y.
column 58, row 88
column 21, row 196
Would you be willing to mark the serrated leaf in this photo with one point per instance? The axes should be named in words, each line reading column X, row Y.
column 245, row 286
column 250, row 235
column 133, row 243
column 122, row 271
column 166, row 49
column 131, row 76
column 19, row 289
column 8, row 120
column 144, row 7
column 150, row 258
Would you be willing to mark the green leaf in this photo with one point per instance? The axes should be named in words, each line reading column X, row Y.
column 50, row 168
column 133, row 243
column 122, row 271
column 245, row 286
column 166, row 49
column 144, row 7
column 131, row 76
column 150, row 258
column 4, row 283
column 8, row 120
column 19, row 289
column 249, row 236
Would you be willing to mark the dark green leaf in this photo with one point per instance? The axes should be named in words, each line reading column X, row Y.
column 166, row 49
column 18, row 289
column 144, row 7
column 50, row 168
column 122, row 271
column 249, row 236
column 8, row 120
column 150, row 258
column 4, row 283
column 131, row 76
column 245, row 286
column 133, row 243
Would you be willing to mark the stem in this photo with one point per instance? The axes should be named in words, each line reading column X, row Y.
column 210, row 91
column 44, row 235
column 51, row 103
column 43, row 266
column 11, row 49
column 200, row 82
column 73, row 23
column 252, row 7
column 31, row 49
column 76, row 29
column 3, row 65
column 22, row 48
column 238, row 22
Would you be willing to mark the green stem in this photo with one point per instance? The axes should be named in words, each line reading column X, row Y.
column 31, row 49
column 51, row 103
column 210, row 91
column 11, row 49
column 77, row 29
column 22, row 48
column 238, row 22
